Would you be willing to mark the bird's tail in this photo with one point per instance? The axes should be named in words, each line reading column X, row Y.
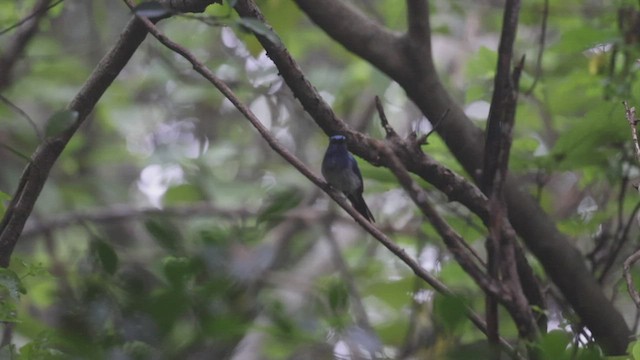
column 357, row 201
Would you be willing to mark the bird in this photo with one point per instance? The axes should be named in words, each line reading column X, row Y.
column 340, row 170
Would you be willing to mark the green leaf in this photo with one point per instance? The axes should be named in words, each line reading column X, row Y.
column 11, row 282
column 279, row 203
column 635, row 350
column 582, row 38
column 165, row 233
column 553, row 345
column 282, row 321
column 106, row 255
column 395, row 293
column 482, row 64
column 182, row 194
column 178, row 270
column 59, row 122
column 451, row 311
column 259, row 28
column 3, row 197
column 592, row 138
column 152, row 10
column 338, row 296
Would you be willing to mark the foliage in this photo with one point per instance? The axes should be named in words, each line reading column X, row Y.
column 170, row 229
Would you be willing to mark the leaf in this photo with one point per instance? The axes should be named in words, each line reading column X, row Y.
column 635, row 350
column 10, row 281
column 279, row 203
column 338, row 297
column 281, row 320
column 178, row 270
column 553, row 345
column 165, row 233
column 259, row 28
column 3, row 197
column 591, row 139
column 182, row 194
column 153, row 10
column 60, row 121
column 451, row 311
column 106, row 255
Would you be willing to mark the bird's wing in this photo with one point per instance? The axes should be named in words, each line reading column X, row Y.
column 356, row 170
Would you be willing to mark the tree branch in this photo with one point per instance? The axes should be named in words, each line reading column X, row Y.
column 18, row 44
column 561, row 261
column 418, row 19
column 500, row 251
column 304, row 170
column 126, row 212
column 37, row 171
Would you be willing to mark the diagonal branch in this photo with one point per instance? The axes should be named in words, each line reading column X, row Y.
column 561, row 261
column 21, row 38
column 304, row 170
column 36, row 173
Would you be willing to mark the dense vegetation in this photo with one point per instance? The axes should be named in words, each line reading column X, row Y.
column 160, row 197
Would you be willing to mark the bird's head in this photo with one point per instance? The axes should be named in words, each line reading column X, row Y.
column 337, row 139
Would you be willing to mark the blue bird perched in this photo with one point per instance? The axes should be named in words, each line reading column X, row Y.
column 341, row 171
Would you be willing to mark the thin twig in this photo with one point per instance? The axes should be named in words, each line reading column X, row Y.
column 303, row 169
column 125, row 212
column 633, row 122
column 360, row 313
column 631, row 287
column 36, row 12
column 422, row 140
column 13, row 49
column 22, row 113
column 383, row 119
column 543, row 35
column 630, row 113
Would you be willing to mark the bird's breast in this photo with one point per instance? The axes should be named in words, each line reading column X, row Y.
column 340, row 176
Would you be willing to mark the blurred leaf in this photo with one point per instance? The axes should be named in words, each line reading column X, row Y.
column 10, row 281
column 393, row 332
column 178, row 270
column 3, row 197
column 182, row 194
column 583, row 38
column 338, row 296
column 482, row 64
column 138, row 350
column 635, row 350
column 281, row 320
column 215, row 236
column 395, row 293
column 279, row 203
column 165, row 233
column 258, row 27
column 226, row 326
column 591, row 138
column 42, row 347
column 166, row 307
column 59, row 122
column 450, row 311
column 475, row 350
column 32, row 268
column 106, row 255
column 152, row 10
column 553, row 345
column 590, row 352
